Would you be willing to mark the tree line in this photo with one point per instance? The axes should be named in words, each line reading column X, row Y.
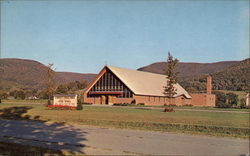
column 68, row 88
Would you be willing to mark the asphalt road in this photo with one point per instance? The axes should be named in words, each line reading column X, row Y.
column 94, row 140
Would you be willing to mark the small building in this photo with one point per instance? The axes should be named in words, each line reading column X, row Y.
column 65, row 100
column 120, row 85
column 248, row 99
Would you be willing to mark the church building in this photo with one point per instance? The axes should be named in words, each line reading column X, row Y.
column 120, row 85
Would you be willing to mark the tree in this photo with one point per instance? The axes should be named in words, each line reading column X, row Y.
column 3, row 95
column 62, row 89
column 171, row 76
column 232, row 99
column 49, row 81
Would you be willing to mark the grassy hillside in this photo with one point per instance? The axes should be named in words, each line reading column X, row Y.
column 29, row 74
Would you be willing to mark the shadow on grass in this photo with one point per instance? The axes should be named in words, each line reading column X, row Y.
column 35, row 134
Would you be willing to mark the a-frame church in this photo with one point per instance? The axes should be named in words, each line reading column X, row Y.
column 120, row 85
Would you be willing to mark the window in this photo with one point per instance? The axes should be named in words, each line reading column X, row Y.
column 109, row 82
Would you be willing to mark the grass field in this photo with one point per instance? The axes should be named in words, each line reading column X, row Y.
column 205, row 123
column 199, row 108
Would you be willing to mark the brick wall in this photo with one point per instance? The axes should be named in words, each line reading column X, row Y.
column 160, row 101
column 197, row 100
column 203, row 100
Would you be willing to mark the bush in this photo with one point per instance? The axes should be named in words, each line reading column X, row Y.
column 79, row 106
column 242, row 104
column 122, row 104
column 49, row 103
column 140, row 104
column 225, row 100
column 170, row 105
column 189, row 105
column 169, row 109
column 79, row 100
column 87, row 103
column 133, row 102
column 61, row 107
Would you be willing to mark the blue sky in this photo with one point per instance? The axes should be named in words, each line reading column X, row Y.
column 81, row 36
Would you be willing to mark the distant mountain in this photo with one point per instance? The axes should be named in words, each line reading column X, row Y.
column 22, row 73
column 229, row 75
column 189, row 69
column 69, row 76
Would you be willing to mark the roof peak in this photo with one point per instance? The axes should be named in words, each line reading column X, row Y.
column 144, row 72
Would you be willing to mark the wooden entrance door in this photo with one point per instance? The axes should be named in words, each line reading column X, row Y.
column 103, row 99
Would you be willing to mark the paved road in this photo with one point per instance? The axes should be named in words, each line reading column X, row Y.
column 95, row 140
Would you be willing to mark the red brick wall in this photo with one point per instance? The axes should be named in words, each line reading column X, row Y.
column 147, row 100
column 197, row 100
column 123, row 100
column 160, row 101
column 203, row 100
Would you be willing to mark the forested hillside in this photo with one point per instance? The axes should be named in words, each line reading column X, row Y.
column 235, row 78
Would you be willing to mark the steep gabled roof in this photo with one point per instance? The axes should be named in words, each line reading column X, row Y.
column 145, row 83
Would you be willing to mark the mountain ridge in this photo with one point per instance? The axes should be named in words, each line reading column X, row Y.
column 189, row 69
column 25, row 73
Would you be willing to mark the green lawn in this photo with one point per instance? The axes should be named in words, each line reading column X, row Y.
column 207, row 123
column 199, row 108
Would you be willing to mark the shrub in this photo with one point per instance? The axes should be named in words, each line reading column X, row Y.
column 189, row 105
column 170, row 105
column 242, row 103
column 122, row 104
column 61, row 107
column 79, row 100
column 140, row 104
column 232, row 99
column 87, row 103
column 169, row 109
column 133, row 102
column 225, row 100
column 49, row 103
column 79, row 106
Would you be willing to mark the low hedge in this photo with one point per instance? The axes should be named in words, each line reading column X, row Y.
column 60, row 107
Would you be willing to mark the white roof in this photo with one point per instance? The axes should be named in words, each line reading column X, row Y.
column 145, row 83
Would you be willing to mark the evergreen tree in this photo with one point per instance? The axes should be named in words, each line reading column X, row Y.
column 171, row 76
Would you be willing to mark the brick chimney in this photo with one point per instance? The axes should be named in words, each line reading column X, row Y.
column 209, row 84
